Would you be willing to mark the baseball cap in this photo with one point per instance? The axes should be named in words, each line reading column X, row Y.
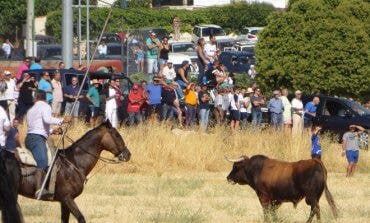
column 7, row 72
column 298, row 92
column 250, row 90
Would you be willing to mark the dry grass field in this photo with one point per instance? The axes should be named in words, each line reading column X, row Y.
column 180, row 176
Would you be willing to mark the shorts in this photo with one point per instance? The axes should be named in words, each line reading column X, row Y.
column 352, row 156
column 162, row 62
column 56, row 107
column 94, row 111
column 234, row 115
column 317, row 156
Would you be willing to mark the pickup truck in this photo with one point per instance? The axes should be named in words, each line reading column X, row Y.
column 335, row 115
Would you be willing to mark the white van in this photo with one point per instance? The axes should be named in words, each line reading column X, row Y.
column 203, row 31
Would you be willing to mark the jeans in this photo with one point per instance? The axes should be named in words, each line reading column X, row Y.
column 134, row 116
column 203, row 118
column 244, row 119
column 37, row 145
column 276, row 120
column 152, row 66
column 201, row 73
column 68, row 109
column 256, row 118
column 167, row 111
column 190, row 114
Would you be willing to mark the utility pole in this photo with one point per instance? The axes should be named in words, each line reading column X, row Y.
column 88, row 33
column 29, row 27
column 67, row 33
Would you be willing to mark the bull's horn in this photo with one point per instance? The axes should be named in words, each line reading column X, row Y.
column 235, row 160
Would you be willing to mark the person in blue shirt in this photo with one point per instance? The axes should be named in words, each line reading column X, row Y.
column 36, row 65
column 310, row 111
column 154, row 91
column 276, row 109
column 45, row 85
column 94, row 101
column 315, row 142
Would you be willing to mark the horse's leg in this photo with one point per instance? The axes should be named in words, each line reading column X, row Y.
column 65, row 212
column 70, row 203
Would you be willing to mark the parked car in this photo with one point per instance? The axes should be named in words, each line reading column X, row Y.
column 237, row 61
column 336, row 114
column 180, row 51
column 49, row 51
column 250, row 34
column 244, row 46
column 225, row 44
column 204, row 31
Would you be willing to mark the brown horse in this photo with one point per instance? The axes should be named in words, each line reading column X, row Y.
column 75, row 163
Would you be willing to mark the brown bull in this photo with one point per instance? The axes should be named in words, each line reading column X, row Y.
column 277, row 181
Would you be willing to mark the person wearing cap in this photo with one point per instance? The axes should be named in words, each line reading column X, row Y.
column 135, row 100
column 276, row 108
column 164, row 49
column 154, row 92
column 94, row 101
column 297, row 113
column 153, row 44
column 350, row 147
column 169, row 72
column 56, row 105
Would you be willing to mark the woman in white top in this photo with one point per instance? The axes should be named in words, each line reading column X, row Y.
column 297, row 110
column 287, row 113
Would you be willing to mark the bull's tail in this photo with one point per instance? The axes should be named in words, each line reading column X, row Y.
column 331, row 202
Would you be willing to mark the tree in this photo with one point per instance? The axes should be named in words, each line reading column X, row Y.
column 317, row 46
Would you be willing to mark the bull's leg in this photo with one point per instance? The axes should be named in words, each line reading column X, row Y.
column 65, row 213
column 69, row 202
column 318, row 215
column 273, row 209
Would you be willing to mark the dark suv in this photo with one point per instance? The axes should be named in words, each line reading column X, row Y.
column 336, row 114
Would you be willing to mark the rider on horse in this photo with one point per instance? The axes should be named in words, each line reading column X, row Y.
column 39, row 119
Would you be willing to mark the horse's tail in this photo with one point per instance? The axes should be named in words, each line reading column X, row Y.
column 8, row 202
column 331, row 202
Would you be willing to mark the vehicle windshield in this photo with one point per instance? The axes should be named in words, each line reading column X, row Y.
column 215, row 31
column 185, row 47
column 358, row 108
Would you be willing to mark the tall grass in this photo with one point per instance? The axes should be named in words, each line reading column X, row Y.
column 157, row 149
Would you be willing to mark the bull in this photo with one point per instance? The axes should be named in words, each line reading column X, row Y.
column 276, row 181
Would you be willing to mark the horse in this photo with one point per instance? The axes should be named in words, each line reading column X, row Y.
column 74, row 164
column 11, row 212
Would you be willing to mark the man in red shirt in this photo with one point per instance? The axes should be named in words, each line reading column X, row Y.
column 135, row 101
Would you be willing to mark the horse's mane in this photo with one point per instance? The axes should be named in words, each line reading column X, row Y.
column 87, row 136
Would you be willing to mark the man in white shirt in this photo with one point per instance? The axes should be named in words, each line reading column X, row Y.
column 102, row 49
column 169, row 72
column 4, row 126
column 56, row 104
column 297, row 110
column 111, row 104
column 10, row 93
column 7, row 47
column 210, row 49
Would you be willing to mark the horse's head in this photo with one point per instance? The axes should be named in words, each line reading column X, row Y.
column 112, row 141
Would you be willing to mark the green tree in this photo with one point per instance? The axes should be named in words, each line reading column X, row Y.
column 317, row 46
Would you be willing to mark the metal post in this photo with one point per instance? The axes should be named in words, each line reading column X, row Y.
column 29, row 27
column 67, row 33
column 88, row 33
column 79, row 32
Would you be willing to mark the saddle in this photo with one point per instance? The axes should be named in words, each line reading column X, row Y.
column 27, row 158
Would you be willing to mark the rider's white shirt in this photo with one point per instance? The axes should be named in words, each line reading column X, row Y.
column 4, row 122
column 39, row 119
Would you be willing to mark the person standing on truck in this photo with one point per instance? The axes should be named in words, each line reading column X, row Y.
column 310, row 111
column 350, row 147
